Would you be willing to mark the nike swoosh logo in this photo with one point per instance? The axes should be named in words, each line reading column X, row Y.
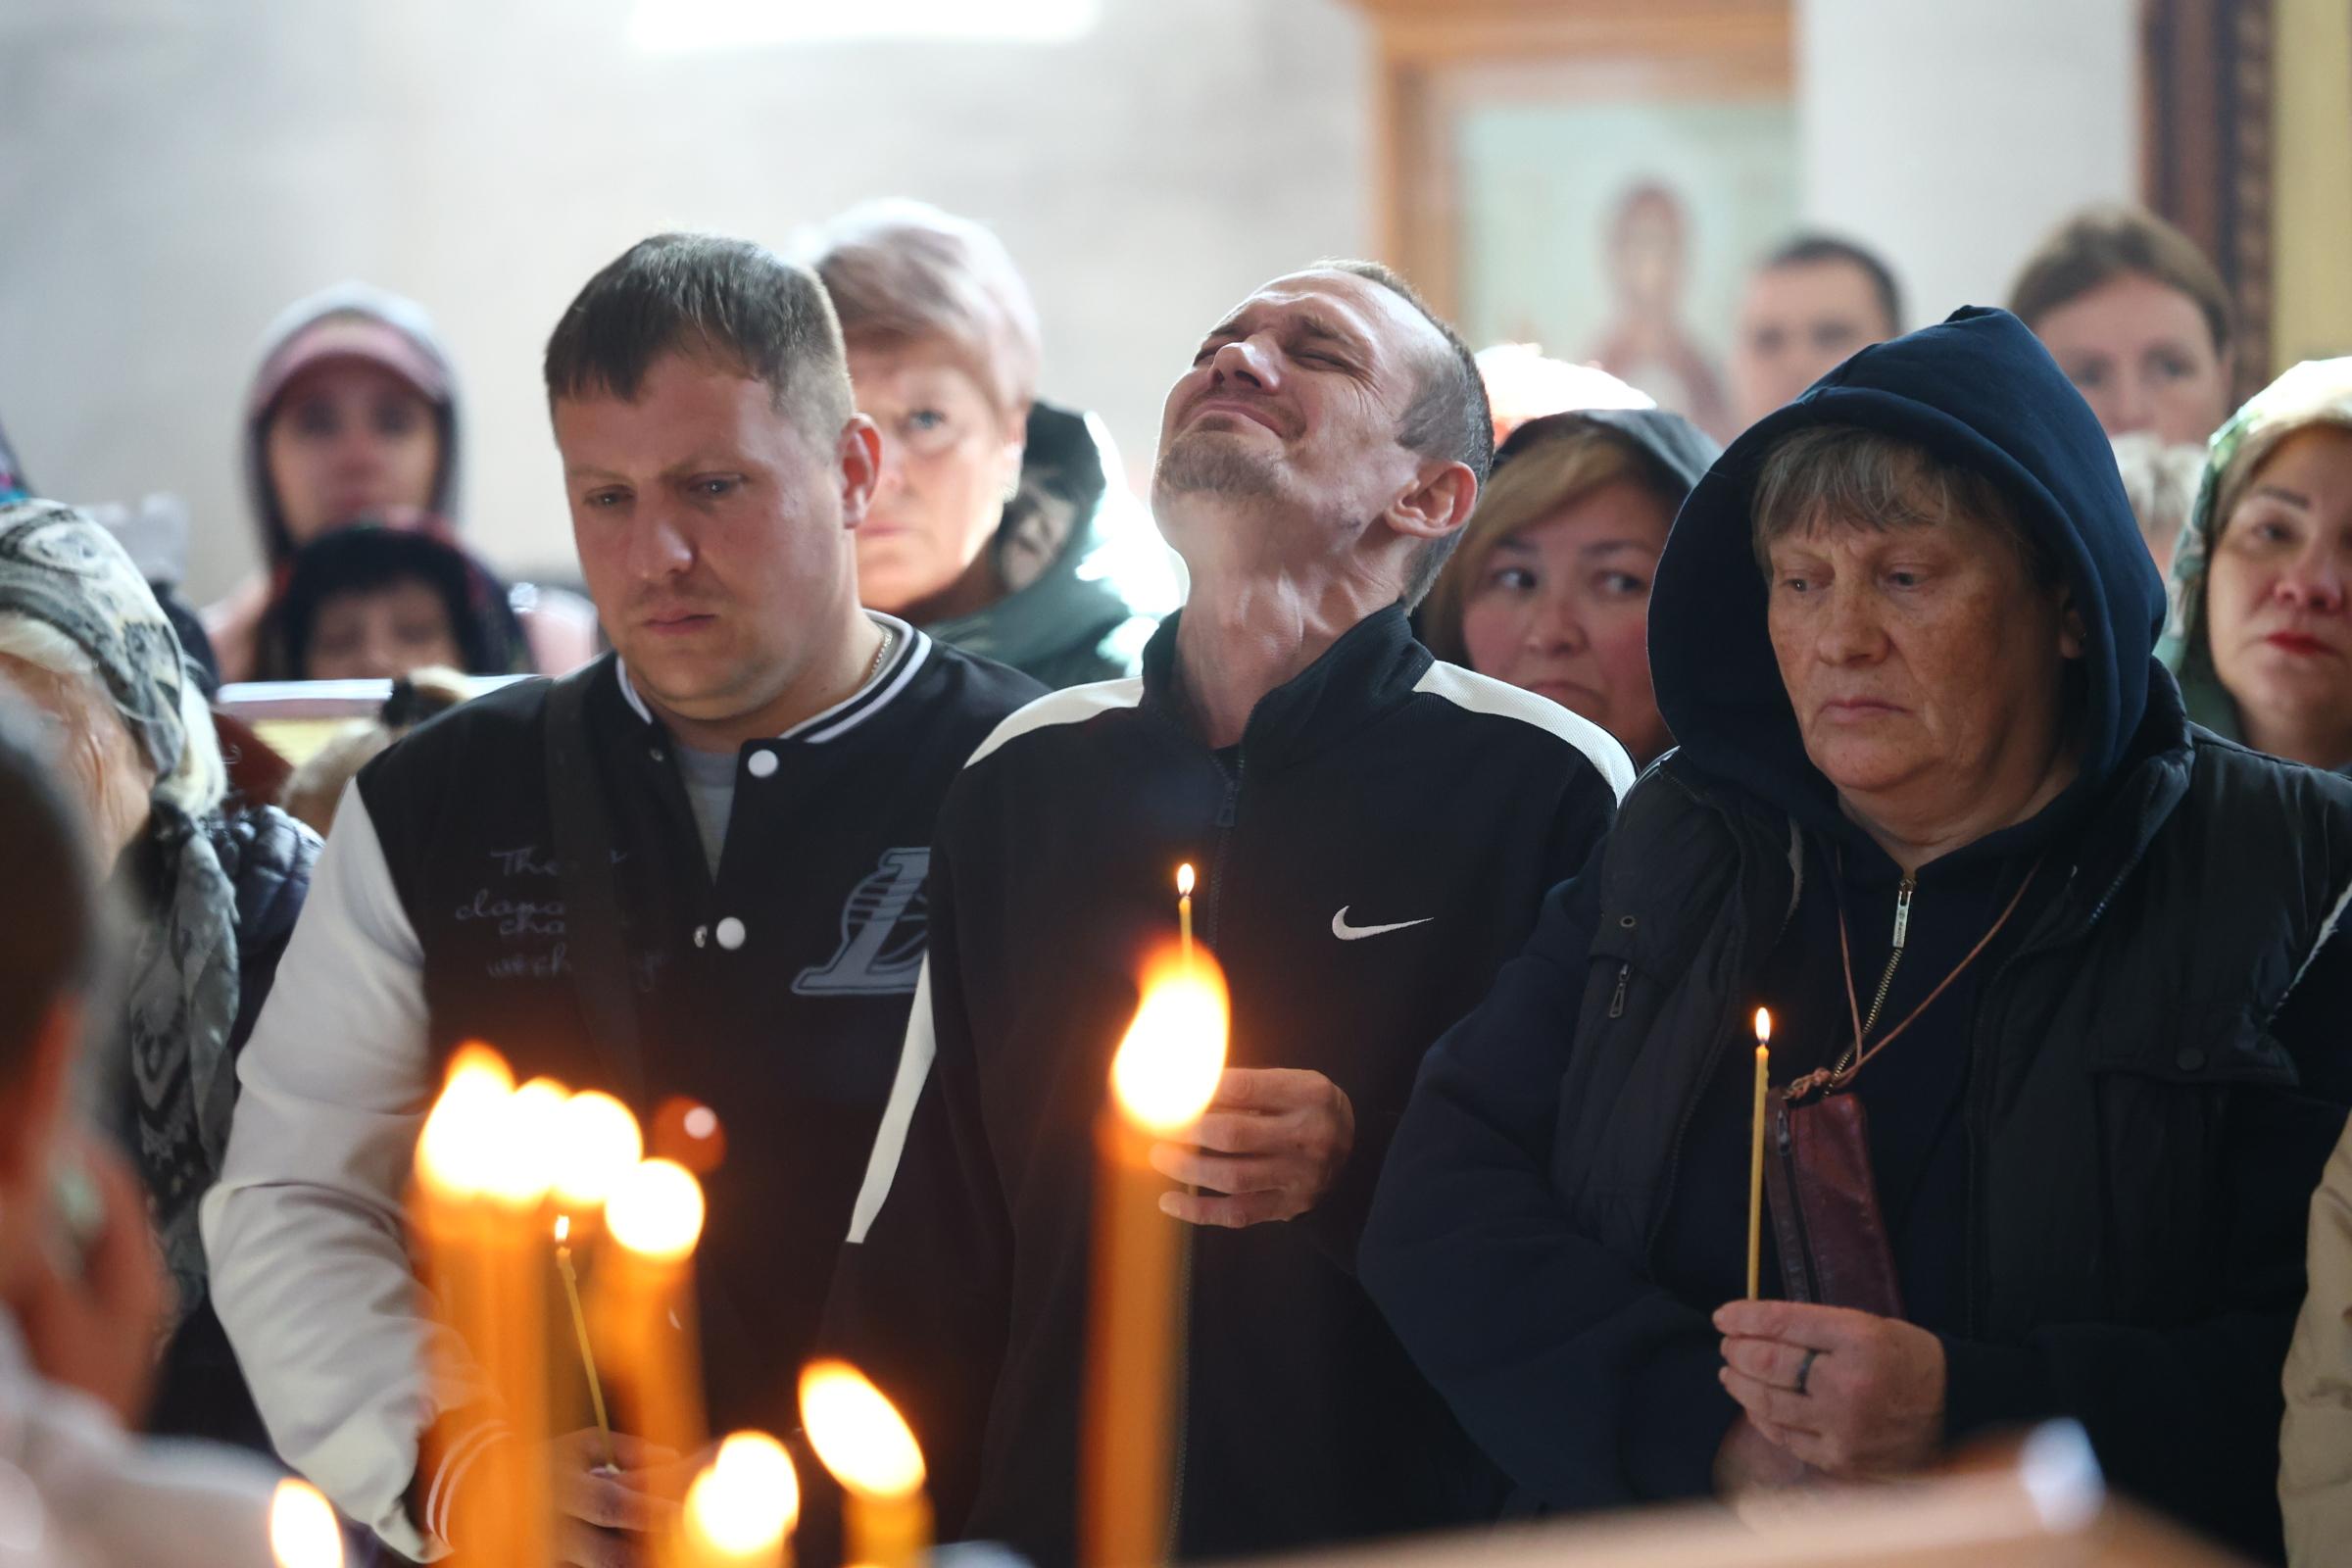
column 1356, row 933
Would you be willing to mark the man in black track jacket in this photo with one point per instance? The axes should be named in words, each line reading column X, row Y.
column 768, row 761
column 1374, row 832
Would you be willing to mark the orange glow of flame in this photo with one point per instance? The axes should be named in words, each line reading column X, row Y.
column 527, row 1142
column 655, row 1210
column 303, row 1533
column 1183, row 880
column 1167, row 1067
column 457, row 1150
column 598, row 1142
column 747, row 1500
column 1763, row 1026
column 858, row 1433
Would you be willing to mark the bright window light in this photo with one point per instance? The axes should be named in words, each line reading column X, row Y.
column 673, row 27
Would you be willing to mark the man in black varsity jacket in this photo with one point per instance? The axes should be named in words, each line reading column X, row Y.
column 1375, row 832
column 768, row 762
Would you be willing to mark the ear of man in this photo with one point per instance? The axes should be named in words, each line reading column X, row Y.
column 1438, row 504
column 858, row 461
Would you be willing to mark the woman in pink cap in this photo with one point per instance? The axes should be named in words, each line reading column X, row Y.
column 354, row 413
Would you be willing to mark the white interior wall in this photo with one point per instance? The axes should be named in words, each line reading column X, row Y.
column 171, row 175
column 1952, row 136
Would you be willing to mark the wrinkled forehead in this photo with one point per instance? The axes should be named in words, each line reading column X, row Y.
column 1379, row 317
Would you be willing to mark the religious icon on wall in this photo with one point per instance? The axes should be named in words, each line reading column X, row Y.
column 1598, row 184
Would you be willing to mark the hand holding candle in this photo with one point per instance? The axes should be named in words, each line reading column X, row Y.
column 866, row 1445
column 1755, row 1162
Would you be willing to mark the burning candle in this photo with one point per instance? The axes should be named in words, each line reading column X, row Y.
column 1163, row 1077
column 303, row 1530
column 741, row 1508
column 645, row 1290
column 1183, row 906
column 481, row 1175
column 1755, row 1157
column 866, row 1445
column 600, row 1144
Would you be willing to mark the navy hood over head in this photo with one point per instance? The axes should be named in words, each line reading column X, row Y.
column 1978, row 390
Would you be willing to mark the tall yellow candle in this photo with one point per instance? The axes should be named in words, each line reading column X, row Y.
column 1162, row 1079
column 1755, row 1162
column 481, row 1188
column 599, row 1142
column 741, row 1507
column 646, row 1320
column 866, row 1443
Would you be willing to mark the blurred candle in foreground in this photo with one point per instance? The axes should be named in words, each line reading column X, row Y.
column 1755, row 1157
column 599, row 1142
column 740, row 1509
column 303, row 1530
column 1162, row 1079
column 482, row 1164
column 646, row 1312
column 864, row 1442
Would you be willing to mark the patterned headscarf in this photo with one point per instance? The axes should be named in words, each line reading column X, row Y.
column 59, row 567
column 2313, row 392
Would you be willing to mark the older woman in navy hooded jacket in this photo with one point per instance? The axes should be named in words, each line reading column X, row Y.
column 1929, row 781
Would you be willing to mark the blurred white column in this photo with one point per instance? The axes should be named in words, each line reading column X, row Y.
column 1950, row 137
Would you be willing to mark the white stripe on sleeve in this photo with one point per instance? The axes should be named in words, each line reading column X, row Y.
column 890, row 1139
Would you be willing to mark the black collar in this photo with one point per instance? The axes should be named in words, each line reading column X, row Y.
column 1369, row 671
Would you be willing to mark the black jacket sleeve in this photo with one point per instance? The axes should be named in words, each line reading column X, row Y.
column 919, row 1301
column 1589, row 1384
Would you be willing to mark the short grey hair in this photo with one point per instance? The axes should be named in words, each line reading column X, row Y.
column 903, row 272
column 1844, row 476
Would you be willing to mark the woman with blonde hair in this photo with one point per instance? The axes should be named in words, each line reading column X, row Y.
column 1549, row 587
column 1001, row 524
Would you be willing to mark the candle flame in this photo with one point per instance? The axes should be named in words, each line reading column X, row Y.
column 563, row 1229
column 1183, row 880
column 655, row 1210
column 747, row 1500
column 598, row 1142
column 858, row 1433
column 458, row 1149
column 527, row 1142
column 303, row 1532
column 1167, row 1067
column 1763, row 1026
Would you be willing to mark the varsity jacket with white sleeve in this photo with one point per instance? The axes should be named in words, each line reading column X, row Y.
column 1376, row 846
column 774, row 992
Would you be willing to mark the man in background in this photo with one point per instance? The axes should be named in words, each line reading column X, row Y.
column 1812, row 303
